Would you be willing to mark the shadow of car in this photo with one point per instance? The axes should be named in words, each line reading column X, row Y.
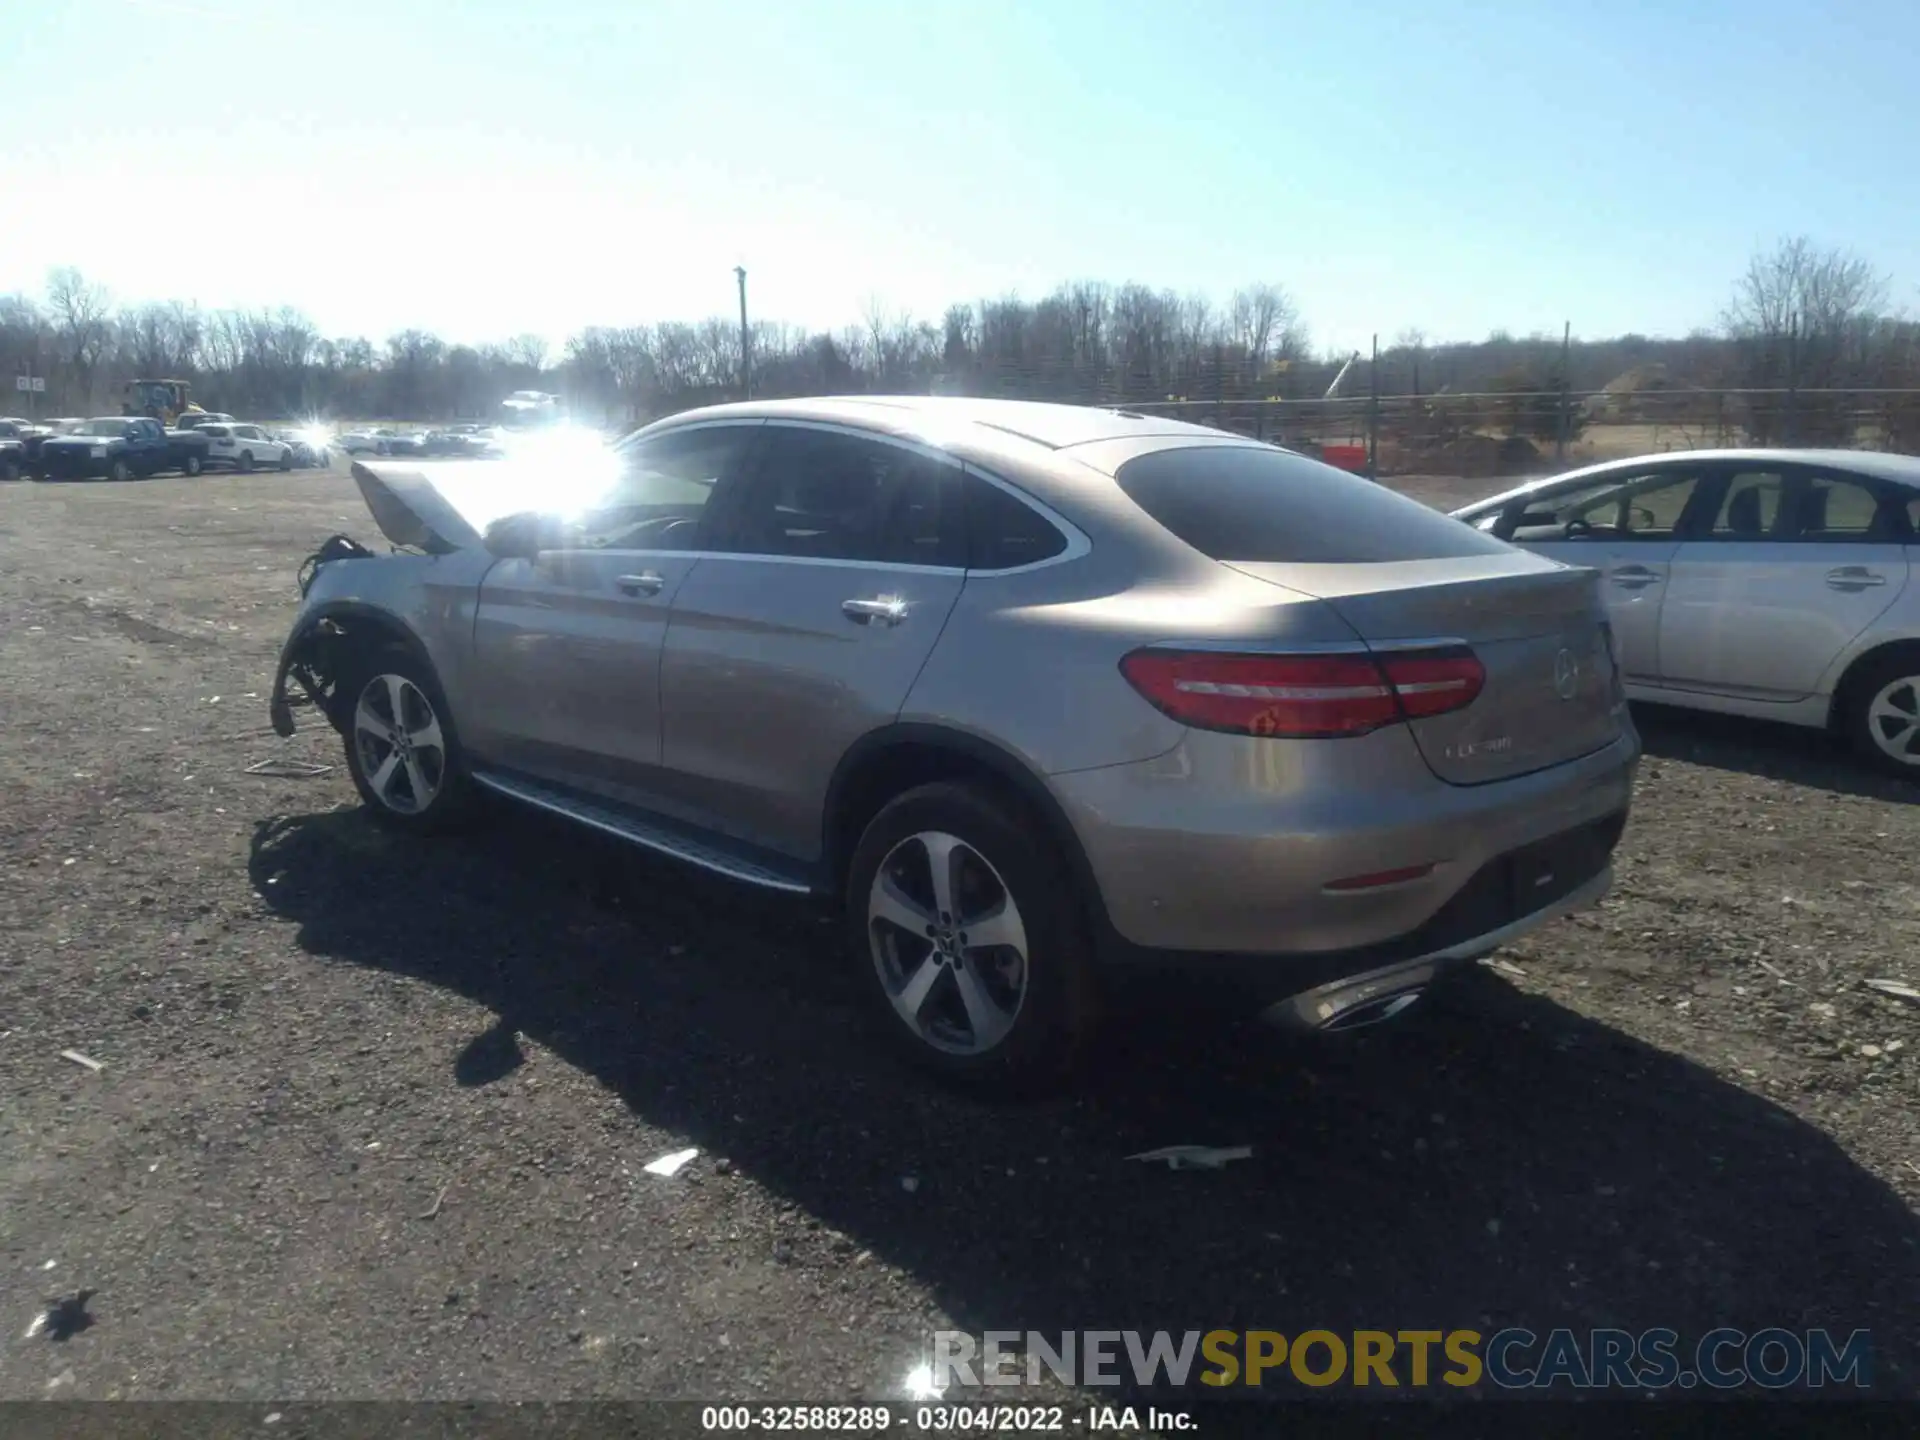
column 1497, row 1161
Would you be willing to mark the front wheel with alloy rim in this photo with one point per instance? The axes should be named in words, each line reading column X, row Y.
column 120, row 470
column 1883, row 714
column 190, row 466
column 246, row 459
column 401, row 748
column 972, row 946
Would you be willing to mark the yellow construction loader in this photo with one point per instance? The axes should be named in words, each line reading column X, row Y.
column 163, row 400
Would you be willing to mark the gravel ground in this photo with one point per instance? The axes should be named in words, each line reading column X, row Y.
column 373, row 1113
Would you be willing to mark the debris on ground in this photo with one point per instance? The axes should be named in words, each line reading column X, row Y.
column 1195, row 1157
column 1899, row 989
column 909, row 1183
column 1505, row 967
column 289, row 769
column 433, row 1209
column 66, row 1316
column 671, row 1163
column 85, row 1061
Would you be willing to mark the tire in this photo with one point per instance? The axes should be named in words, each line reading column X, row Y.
column 286, row 459
column 998, row 1019
column 9, row 470
column 1881, row 713
column 368, row 689
column 119, row 469
column 191, row 466
column 246, row 460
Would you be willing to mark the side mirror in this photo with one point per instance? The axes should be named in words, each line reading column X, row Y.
column 517, row 537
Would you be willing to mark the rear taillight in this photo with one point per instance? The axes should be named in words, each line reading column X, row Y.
column 1303, row 696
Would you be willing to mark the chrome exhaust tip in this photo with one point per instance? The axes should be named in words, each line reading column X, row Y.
column 1373, row 1012
column 1356, row 1003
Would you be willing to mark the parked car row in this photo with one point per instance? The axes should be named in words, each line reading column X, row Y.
column 125, row 447
column 468, row 441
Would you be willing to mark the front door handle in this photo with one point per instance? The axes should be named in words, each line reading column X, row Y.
column 1853, row 577
column 647, row 582
column 1634, row 577
column 882, row 610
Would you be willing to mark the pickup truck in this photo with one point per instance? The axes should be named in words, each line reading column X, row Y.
column 13, row 450
column 119, row 447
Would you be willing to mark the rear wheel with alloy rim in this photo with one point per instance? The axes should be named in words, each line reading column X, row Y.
column 1883, row 713
column 966, row 926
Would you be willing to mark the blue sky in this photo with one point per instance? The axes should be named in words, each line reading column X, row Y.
column 483, row 168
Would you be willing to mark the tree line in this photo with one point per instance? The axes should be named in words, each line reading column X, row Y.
column 1801, row 321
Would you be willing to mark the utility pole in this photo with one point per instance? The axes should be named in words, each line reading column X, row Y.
column 746, row 338
column 1566, row 393
column 1373, row 413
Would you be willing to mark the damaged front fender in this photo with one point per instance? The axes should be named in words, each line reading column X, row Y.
column 317, row 662
column 312, row 660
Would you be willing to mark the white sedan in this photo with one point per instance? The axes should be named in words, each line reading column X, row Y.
column 245, row 447
column 1766, row 583
column 367, row 442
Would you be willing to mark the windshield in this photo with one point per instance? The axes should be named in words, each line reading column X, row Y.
column 103, row 427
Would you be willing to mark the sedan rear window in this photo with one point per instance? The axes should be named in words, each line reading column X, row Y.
column 1253, row 505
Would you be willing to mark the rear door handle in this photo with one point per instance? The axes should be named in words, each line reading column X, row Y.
column 646, row 582
column 1853, row 577
column 1634, row 577
column 882, row 610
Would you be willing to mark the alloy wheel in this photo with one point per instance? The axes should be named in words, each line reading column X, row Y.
column 1893, row 720
column 398, row 741
column 948, row 943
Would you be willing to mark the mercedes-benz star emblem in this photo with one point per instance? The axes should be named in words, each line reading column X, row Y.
column 1566, row 674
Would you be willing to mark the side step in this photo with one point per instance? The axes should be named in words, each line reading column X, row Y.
column 650, row 834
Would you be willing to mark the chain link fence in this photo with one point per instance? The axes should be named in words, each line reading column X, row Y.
column 1512, row 434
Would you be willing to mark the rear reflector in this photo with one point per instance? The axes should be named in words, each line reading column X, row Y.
column 1379, row 878
column 1303, row 696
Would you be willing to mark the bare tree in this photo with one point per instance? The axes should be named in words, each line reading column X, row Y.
column 1803, row 318
column 1413, row 340
column 530, row 352
column 82, row 315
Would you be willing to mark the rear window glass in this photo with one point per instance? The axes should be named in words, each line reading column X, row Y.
column 1239, row 503
column 1002, row 533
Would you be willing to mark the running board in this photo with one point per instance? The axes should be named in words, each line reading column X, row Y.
column 636, row 831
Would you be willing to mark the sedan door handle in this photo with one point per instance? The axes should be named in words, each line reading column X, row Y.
column 1853, row 577
column 645, row 583
column 1634, row 577
column 884, row 609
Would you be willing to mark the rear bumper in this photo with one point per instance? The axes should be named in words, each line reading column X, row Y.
column 1204, row 863
column 1506, row 898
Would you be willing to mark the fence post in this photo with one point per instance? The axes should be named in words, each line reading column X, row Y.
column 1373, row 413
column 1566, row 394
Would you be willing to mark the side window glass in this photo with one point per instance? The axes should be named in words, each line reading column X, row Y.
column 820, row 495
column 1751, row 507
column 1652, row 510
column 1638, row 507
column 1834, row 508
column 662, row 489
column 1004, row 534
